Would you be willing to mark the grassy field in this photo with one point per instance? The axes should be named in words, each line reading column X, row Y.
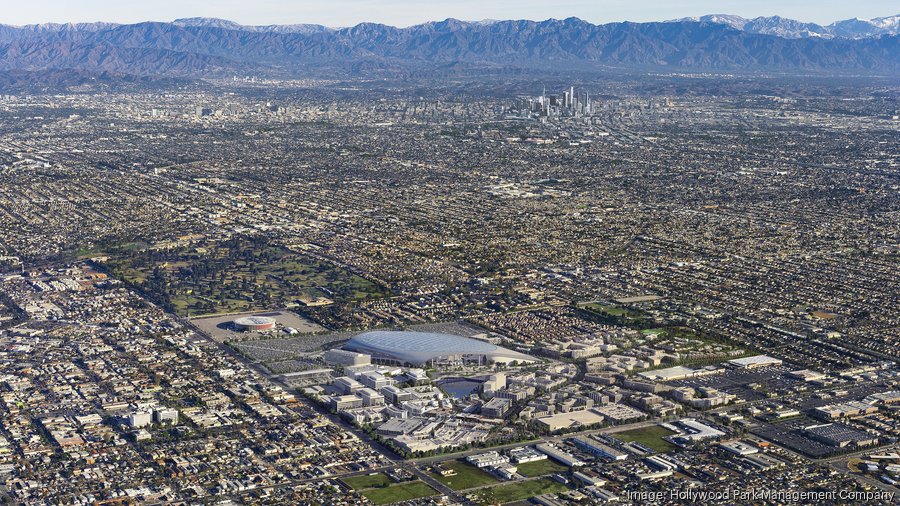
column 367, row 481
column 618, row 315
column 467, row 476
column 609, row 310
column 237, row 275
column 399, row 492
column 540, row 468
column 651, row 437
column 518, row 491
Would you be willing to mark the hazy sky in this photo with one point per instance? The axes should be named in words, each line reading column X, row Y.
column 408, row 12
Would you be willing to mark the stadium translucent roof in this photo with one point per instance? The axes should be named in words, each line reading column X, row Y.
column 420, row 347
column 254, row 320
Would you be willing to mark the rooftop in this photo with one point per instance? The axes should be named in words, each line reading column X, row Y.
column 420, row 347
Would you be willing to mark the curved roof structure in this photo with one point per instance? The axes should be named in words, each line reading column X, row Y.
column 417, row 348
column 249, row 321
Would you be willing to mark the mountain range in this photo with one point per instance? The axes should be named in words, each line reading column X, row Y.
column 790, row 28
column 199, row 47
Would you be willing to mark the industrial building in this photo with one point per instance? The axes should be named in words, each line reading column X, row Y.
column 395, row 395
column 370, row 397
column 839, row 435
column 375, row 380
column 347, row 385
column 691, row 431
column 346, row 358
column 598, row 449
column 342, row 402
column 496, row 408
column 487, row 459
column 559, row 421
column 564, row 458
column 526, row 454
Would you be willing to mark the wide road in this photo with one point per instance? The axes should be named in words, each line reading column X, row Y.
column 427, row 461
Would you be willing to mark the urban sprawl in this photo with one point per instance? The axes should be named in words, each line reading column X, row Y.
column 323, row 292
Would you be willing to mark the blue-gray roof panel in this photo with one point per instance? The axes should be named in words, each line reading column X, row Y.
column 420, row 347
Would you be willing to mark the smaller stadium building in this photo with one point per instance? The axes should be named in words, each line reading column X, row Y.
column 254, row 323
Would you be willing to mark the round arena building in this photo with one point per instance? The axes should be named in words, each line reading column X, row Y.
column 254, row 323
column 419, row 348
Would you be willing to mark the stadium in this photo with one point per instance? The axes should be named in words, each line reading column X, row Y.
column 254, row 323
column 420, row 348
